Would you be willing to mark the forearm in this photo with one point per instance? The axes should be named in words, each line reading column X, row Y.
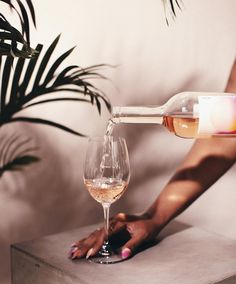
column 207, row 161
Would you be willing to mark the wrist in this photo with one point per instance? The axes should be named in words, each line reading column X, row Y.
column 157, row 221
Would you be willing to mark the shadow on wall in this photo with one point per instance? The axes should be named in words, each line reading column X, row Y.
column 46, row 196
column 152, row 162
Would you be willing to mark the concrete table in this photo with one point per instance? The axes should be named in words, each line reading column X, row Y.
column 183, row 255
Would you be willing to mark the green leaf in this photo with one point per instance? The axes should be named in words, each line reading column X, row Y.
column 172, row 7
column 29, row 71
column 55, row 100
column 53, row 90
column 31, row 8
column 5, row 79
column 108, row 105
column 24, row 102
column 27, row 51
column 15, row 82
column 71, row 79
column 13, row 148
column 12, row 34
column 177, row 3
column 18, row 162
column 54, row 67
column 46, row 122
column 61, row 77
column 19, row 149
column 0, row 63
column 98, row 105
column 25, row 20
column 6, row 144
column 44, row 63
column 8, row 36
column 6, row 49
column 16, row 152
column 22, row 14
column 173, row 4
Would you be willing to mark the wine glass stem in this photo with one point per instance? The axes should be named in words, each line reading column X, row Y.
column 106, row 208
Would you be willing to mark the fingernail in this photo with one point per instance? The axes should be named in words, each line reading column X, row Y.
column 90, row 251
column 126, row 252
column 72, row 251
column 74, row 255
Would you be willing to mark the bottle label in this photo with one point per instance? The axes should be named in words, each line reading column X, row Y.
column 217, row 115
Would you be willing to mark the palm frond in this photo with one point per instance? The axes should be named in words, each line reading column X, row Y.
column 12, row 35
column 16, row 79
column 45, row 122
column 15, row 147
column 56, row 100
column 44, row 63
column 17, row 94
column 29, row 72
column 16, row 152
column 5, row 77
column 18, row 163
column 54, row 67
column 6, row 144
column 170, row 8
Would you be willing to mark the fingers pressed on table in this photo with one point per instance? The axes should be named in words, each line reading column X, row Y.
column 126, row 253
column 131, row 246
column 140, row 231
column 96, row 247
column 81, row 251
column 87, row 246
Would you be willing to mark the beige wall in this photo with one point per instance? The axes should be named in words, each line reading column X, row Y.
column 153, row 62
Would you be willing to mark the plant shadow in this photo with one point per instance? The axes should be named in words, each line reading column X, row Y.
column 16, row 153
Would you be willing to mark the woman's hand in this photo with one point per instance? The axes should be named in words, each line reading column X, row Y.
column 140, row 228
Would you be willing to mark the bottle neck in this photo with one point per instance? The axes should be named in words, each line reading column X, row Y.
column 140, row 114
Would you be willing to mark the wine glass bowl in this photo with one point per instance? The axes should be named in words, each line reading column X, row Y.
column 106, row 176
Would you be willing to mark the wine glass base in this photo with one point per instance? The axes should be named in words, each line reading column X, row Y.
column 113, row 258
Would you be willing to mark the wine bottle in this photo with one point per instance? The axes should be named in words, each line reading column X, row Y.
column 187, row 114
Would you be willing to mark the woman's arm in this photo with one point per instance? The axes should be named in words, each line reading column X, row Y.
column 206, row 162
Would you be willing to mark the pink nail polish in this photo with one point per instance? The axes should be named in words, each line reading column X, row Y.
column 90, row 251
column 126, row 252
column 75, row 253
column 74, row 249
column 73, row 256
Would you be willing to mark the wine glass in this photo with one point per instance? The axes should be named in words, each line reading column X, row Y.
column 106, row 176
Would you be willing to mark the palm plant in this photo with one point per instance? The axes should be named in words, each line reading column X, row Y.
column 11, row 37
column 16, row 94
column 170, row 7
column 18, row 64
